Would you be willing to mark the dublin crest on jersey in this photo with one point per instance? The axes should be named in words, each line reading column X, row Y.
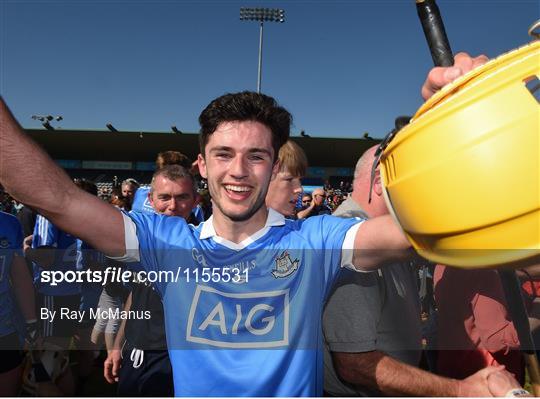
column 285, row 266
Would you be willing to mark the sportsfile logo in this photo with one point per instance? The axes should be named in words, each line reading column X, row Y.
column 239, row 320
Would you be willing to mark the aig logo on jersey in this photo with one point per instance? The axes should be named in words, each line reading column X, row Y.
column 239, row 320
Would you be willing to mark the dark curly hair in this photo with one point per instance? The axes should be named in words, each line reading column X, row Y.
column 246, row 106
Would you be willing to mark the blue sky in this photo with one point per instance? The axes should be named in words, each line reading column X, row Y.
column 341, row 67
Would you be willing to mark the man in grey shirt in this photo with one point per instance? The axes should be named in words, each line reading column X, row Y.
column 371, row 321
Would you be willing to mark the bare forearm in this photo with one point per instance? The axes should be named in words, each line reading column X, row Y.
column 380, row 241
column 393, row 378
column 30, row 176
column 26, row 171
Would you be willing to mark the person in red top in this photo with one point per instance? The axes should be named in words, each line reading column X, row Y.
column 474, row 327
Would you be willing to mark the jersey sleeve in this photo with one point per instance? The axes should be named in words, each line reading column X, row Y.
column 138, row 241
column 333, row 237
column 153, row 236
column 338, row 236
column 140, row 201
column 45, row 233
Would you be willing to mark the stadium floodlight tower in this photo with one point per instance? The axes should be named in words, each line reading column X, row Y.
column 261, row 15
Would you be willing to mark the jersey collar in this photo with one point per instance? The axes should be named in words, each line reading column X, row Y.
column 274, row 218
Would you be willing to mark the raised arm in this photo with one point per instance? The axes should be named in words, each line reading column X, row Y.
column 31, row 177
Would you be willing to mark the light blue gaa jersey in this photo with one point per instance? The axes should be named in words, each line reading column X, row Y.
column 141, row 202
column 198, row 214
column 47, row 234
column 11, row 241
column 260, row 335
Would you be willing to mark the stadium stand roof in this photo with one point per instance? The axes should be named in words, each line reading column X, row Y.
column 144, row 146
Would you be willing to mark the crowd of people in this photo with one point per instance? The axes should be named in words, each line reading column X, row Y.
column 267, row 290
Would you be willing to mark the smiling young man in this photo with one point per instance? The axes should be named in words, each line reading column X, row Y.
column 255, row 326
column 244, row 316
